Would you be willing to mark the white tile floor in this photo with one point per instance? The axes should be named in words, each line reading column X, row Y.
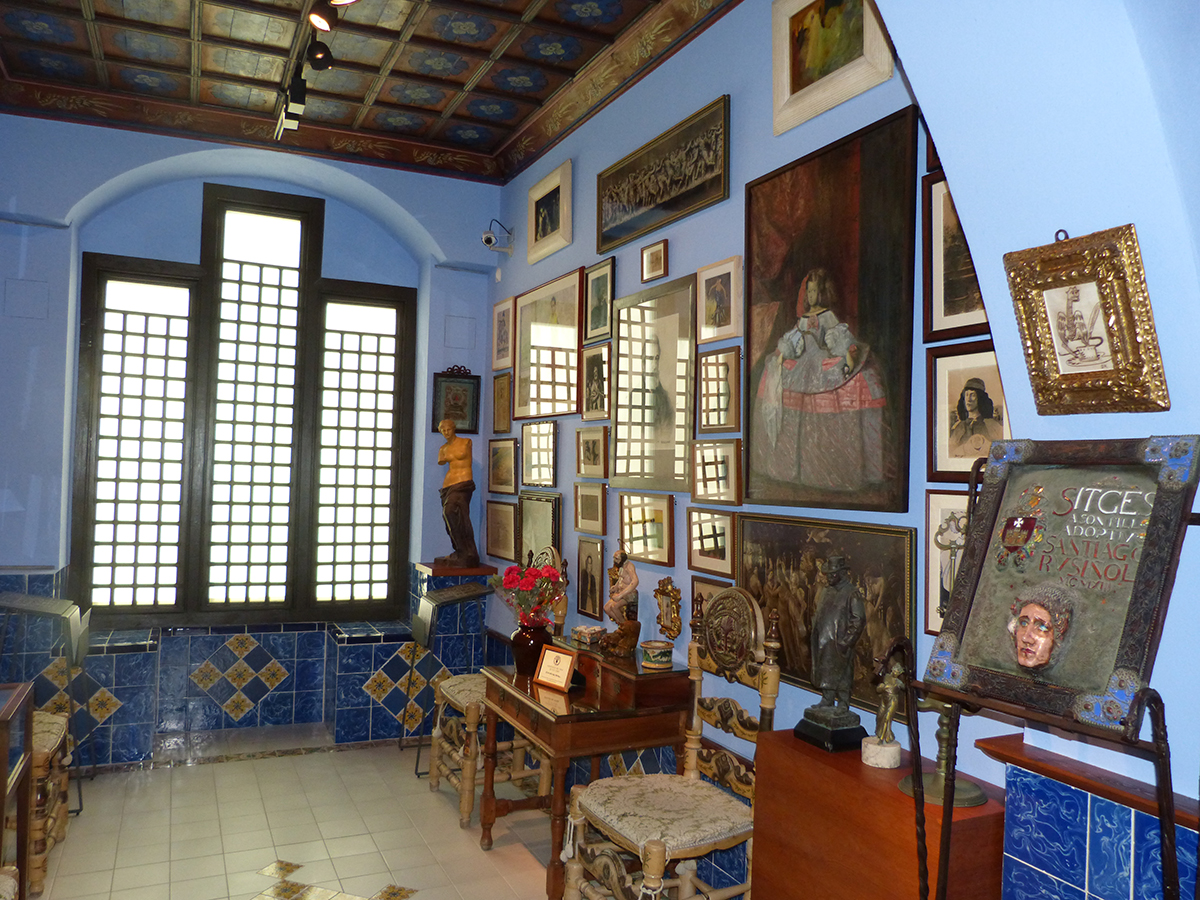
column 356, row 820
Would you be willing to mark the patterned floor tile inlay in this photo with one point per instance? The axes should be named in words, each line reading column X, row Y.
column 294, row 890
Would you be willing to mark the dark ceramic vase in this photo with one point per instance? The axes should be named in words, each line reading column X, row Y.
column 527, row 643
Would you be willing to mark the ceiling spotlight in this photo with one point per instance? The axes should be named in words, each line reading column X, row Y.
column 319, row 56
column 342, row 2
column 322, row 15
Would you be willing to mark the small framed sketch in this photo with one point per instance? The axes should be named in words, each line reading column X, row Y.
column 456, row 397
column 502, row 334
column 591, row 451
column 719, row 301
column 712, row 541
column 719, row 381
column 540, row 519
column 945, row 541
column 966, row 407
column 822, row 58
column 953, row 300
column 648, row 527
column 717, row 472
column 595, row 382
column 539, row 453
column 654, row 261
column 591, row 511
column 502, row 403
column 598, row 296
column 502, row 466
column 1083, row 310
column 591, row 568
column 502, row 530
column 549, row 227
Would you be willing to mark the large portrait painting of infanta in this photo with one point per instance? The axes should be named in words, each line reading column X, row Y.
column 1058, row 606
column 829, row 297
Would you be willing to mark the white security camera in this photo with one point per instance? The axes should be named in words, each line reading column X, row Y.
column 501, row 243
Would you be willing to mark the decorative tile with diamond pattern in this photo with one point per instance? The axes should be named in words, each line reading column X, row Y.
column 239, row 674
column 397, row 685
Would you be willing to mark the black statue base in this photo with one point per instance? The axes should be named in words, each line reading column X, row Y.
column 830, row 728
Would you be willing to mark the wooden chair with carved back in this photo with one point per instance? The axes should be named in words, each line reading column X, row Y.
column 657, row 823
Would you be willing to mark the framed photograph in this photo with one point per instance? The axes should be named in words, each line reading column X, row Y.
column 782, row 563
column 712, row 541
column 541, row 522
column 502, row 403
column 591, row 452
column 652, row 397
column 648, row 527
column 704, row 589
column 502, row 530
column 1083, row 311
column 546, row 356
column 595, row 382
column 829, row 281
column 1061, row 595
column 966, row 407
column 717, row 472
column 591, row 509
column 502, row 334
column 456, row 397
column 600, row 280
column 549, row 221
column 555, row 667
column 638, row 195
column 654, row 261
column 539, row 440
column 953, row 300
column 591, row 578
column 824, row 55
column 719, row 301
column 719, row 401
column 502, row 466
column 945, row 541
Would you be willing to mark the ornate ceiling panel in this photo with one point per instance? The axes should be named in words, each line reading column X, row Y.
column 478, row 89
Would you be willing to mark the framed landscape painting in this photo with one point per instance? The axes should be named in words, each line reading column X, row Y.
column 829, row 293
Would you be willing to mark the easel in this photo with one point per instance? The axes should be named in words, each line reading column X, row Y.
column 1145, row 700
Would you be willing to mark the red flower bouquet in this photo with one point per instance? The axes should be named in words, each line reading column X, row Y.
column 530, row 592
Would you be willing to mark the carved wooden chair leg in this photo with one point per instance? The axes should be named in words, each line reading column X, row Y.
column 470, row 756
column 435, row 738
column 686, row 872
column 574, row 880
column 654, row 862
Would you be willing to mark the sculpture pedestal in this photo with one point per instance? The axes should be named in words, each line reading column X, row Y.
column 880, row 754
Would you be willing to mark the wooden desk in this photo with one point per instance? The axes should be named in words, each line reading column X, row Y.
column 620, row 708
column 827, row 826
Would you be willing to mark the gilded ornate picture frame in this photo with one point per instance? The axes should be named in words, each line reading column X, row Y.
column 1059, row 604
column 1084, row 315
column 669, row 601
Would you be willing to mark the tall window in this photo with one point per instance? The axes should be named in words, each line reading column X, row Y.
column 237, row 451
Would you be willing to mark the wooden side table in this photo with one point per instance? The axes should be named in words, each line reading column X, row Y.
column 827, row 826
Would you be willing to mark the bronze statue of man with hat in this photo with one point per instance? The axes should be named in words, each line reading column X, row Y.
column 841, row 615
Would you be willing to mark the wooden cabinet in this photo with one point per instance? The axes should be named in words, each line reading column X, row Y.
column 827, row 826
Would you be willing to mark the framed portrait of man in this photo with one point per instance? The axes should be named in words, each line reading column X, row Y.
column 591, row 569
column 966, row 406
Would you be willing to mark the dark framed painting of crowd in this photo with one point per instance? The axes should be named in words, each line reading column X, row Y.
column 967, row 410
column 782, row 562
column 829, row 295
column 1061, row 596
column 653, row 374
column 682, row 171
